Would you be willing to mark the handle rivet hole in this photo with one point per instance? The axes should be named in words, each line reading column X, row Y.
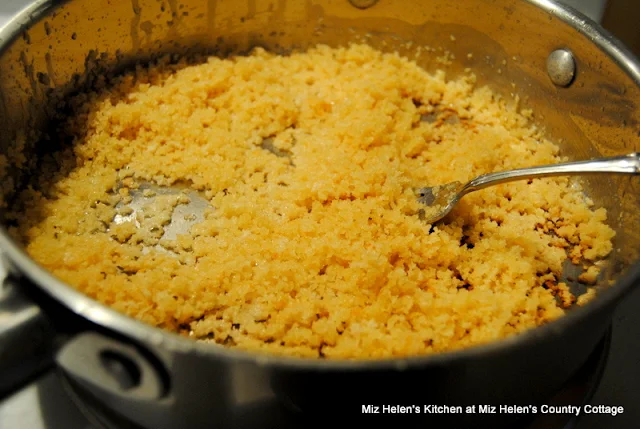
column 121, row 368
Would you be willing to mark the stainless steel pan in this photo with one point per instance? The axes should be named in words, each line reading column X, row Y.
column 584, row 85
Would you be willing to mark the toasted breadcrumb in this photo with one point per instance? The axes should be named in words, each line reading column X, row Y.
column 586, row 297
column 319, row 253
column 590, row 276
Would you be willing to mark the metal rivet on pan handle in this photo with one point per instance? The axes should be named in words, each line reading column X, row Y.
column 363, row 4
column 561, row 67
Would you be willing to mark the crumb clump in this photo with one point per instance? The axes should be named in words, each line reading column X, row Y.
column 590, row 276
column 313, row 246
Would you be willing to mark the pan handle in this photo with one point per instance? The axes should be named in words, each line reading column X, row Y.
column 32, row 344
column 26, row 339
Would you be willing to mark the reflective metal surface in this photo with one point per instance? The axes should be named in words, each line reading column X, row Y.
column 578, row 391
column 112, row 369
column 74, row 42
column 561, row 67
column 55, row 48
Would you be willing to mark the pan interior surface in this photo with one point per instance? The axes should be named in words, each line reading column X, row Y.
column 61, row 54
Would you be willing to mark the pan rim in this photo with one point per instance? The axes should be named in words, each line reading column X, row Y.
column 150, row 336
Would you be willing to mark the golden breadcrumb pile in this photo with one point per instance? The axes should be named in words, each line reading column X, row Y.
column 313, row 244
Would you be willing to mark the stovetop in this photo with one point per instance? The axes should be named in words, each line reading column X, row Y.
column 46, row 404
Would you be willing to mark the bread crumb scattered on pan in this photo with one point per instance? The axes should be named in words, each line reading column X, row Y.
column 320, row 253
column 590, row 276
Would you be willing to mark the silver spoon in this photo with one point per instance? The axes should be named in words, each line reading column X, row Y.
column 441, row 199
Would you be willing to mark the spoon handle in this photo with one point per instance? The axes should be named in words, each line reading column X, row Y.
column 626, row 164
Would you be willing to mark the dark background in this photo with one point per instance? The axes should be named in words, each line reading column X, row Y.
column 622, row 18
column 621, row 380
